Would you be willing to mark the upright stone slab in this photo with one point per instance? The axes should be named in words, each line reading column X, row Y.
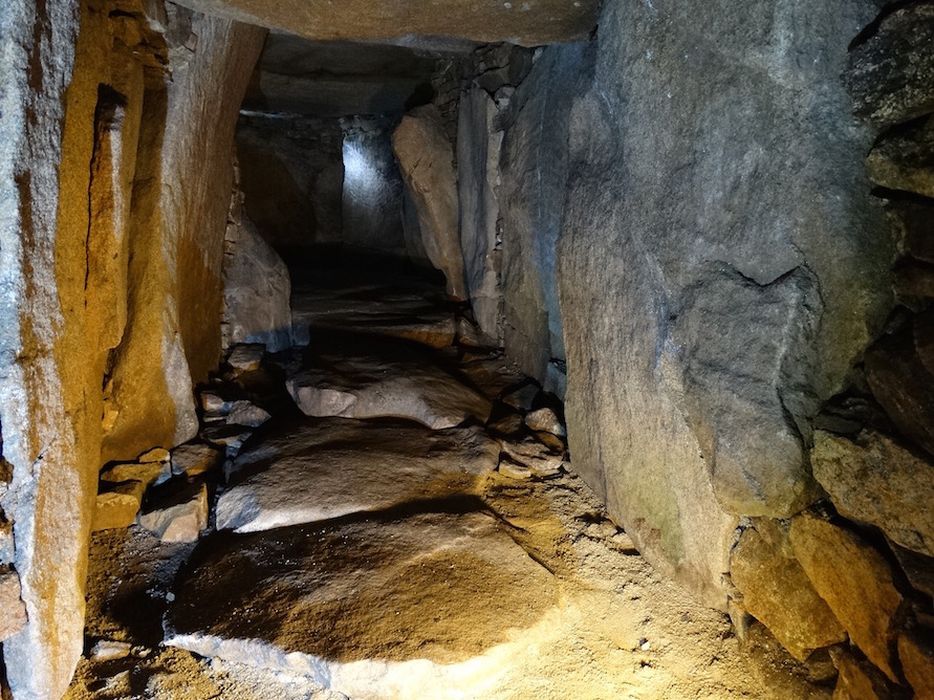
column 721, row 265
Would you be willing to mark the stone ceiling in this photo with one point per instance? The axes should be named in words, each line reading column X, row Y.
column 524, row 22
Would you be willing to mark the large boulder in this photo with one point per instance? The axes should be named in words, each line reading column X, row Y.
column 876, row 481
column 257, row 290
column 710, row 300
column 855, row 580
column 530, row 23
column 426, row 160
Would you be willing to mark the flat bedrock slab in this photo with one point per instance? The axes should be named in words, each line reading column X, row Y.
column 331, row 468
column 360, row 605
column 365, row 387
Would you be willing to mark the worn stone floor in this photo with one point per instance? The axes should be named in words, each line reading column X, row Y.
column 378, row 557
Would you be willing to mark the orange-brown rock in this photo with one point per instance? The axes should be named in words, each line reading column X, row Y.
column 856, row 582
column 917, row 659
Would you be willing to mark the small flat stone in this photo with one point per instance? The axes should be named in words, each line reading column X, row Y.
column 545, row 420
column 230, row 437
column 194, row 458
column 510, row 424
column 535, row 456
column 181, row 521
column 246, row 357
column 470, row 335
column 156, row 454
column 552, row 442
column 148, row 474
column 247, row 414
column 110, row 650
column 118, row 505
column 854, row 580
column 212, row 402
column 12, row 608
column 510, row 469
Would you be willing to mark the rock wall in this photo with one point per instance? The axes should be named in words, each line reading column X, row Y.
column 92, row 137
column 686, row 211
column 292, row 176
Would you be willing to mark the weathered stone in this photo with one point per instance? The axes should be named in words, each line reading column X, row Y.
column 905, row 160
column 511, row 470
column 706, row 311
column 118, row 505
column 246, row 357
column 257, row 289
column 427, row 164
column 6, row 542
column 156, row 454
column 903, row 386
column 212, row 402
column 545, row 420
column 510, row 424
column 470, row 335
column 917, row 658
column 247, row 414
column 110, row 650
column 194, row 458
column 891, row 72
column 777, row 592
column 854, row 580
column 148, row 474
column 338, row 467
column 230, row 437
column 535, row 456
column 478, row 150
column 12, row 608
column 874, row 480
column 535, row 23
column 271, row 599
column 857, row 680
column 370, row 387
column 522, row 397
column 180, row 520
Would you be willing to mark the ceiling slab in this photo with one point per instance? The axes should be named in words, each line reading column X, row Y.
column 523, row 22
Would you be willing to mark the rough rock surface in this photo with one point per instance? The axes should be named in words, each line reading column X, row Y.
column 544, row 419
column 857, row 679
column 374, row 310
column 338, row 467
column 917, row 660
column 905, row 160
column 890, row 73
column 533, row 23
column 855, row 581
column 427, row 164
column 12, row 609
column 118, row 505
column 876, row 481
column 901, row 383
column 180, row 520
column 229, row 602
column 372, row 387
column 478, row 151
column 706, row 310
column 257, row 290
column 777, row 592
column 193, row 459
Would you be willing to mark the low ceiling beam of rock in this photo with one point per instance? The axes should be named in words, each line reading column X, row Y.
column 523, row 22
